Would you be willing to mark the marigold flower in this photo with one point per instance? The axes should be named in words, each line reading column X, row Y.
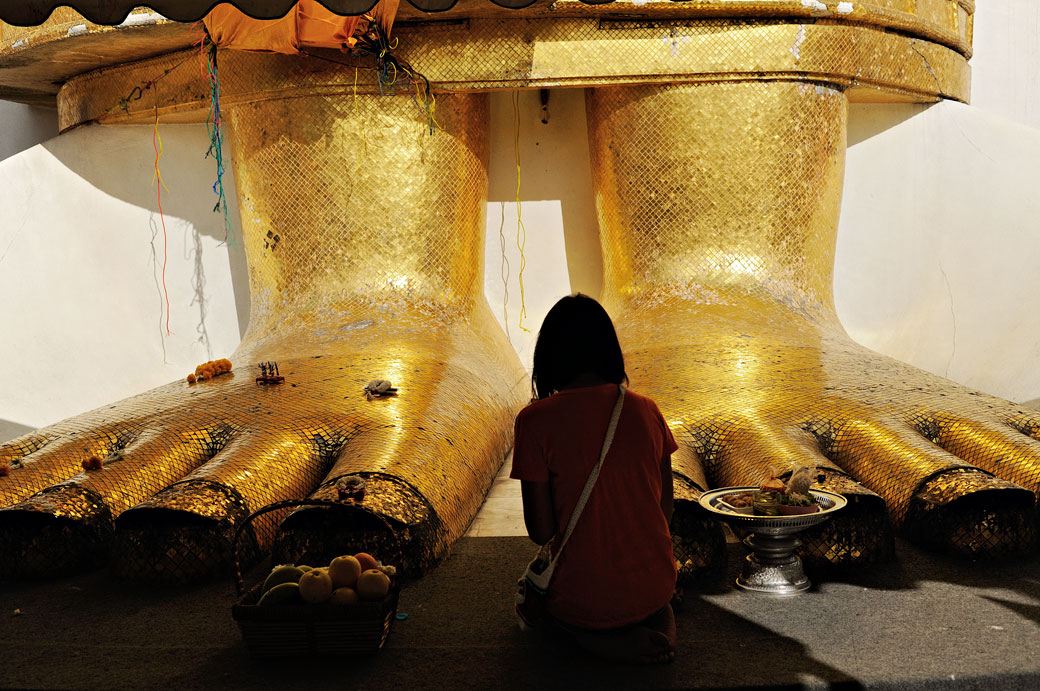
column 213, row 368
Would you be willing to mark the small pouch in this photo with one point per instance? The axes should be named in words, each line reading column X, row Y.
column 532, row 591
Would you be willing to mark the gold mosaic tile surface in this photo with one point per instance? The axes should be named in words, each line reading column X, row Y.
column 375, row 276
column 718, row 206
column 718, row 201
column 943, row 21
column 491, row 53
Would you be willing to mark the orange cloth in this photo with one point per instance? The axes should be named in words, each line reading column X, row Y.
column 307, row 25
column 618, row 567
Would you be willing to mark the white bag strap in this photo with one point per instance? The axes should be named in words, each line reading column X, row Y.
column 593, row 476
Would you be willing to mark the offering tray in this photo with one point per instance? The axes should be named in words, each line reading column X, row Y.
column 772, row 568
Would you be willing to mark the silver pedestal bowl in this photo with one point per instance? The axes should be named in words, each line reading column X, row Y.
column 772, row 568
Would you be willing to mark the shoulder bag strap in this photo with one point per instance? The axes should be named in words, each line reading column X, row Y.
column 594, row 475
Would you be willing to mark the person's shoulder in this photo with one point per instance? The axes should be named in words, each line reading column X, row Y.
column 640, row 399
column 646, row 405
column 536, row 410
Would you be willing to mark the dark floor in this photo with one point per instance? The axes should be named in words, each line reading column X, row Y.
column 922, row 622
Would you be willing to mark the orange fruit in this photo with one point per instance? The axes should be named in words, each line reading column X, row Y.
column 366, row 560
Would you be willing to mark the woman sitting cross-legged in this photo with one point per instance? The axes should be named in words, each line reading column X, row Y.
column 615, row 576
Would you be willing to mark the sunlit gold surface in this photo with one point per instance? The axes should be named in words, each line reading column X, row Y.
column 944, row 21
column 718, row 207
column 718, row 199
column 35, row 60
column 482, row 54
column 949, row 18
column 375, row 275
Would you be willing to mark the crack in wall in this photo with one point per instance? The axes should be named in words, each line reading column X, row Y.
column 198, row 287
column 796, row 49
column 927, row 66
column 953, row 319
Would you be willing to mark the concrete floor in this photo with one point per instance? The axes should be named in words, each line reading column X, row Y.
column 921, row 622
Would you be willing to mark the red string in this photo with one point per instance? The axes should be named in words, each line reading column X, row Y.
column 202, row 57
column 158, row 197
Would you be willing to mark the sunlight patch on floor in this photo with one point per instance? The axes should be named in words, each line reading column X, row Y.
column 502, row 514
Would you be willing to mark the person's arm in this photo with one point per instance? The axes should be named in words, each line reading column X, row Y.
column 538, row 511
column 667, row 491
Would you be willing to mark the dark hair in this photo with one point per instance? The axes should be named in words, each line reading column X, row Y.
column 576, row 337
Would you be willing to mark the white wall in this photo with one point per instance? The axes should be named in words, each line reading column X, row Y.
column 82, row 309
column 22, row 126
column 939, row 241
column 1005, row 69
column 561, row 252
column 937, row 245
column 937, row 252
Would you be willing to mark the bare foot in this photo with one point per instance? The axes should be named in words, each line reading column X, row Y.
column 649, row 642
column 809, row 395
column 718, row 207
column 358, row 287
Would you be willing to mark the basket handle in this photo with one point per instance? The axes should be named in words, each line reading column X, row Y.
column 286, row 504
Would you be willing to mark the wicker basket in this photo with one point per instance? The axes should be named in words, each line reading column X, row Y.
column 309, row 629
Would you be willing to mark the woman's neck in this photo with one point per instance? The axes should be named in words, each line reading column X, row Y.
column 583, row 380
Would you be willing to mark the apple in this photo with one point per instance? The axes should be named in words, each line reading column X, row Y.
column 315, row 586
column 373, row 584
column 344, row 571
column 344, row 596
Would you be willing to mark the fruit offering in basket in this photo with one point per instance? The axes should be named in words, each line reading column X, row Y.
column 347, row 580
column 777, row 498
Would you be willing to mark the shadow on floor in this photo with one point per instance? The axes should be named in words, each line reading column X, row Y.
column 914, row 625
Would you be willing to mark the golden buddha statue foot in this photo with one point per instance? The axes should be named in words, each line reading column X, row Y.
column 718, row 208
column 751, row 388
column 372, row 279
column 167, row 508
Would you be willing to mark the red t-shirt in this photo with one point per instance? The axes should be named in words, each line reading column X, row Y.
column 618, row 567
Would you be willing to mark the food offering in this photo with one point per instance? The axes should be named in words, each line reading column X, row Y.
column 774, row 497
column 347, row 580
column 770, row 516
column 342, row 608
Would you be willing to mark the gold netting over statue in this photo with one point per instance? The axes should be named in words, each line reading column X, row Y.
column 376, row 273
column 718, row 251
column 718, row 155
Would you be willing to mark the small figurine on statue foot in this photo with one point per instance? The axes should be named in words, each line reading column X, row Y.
column 378, row 388
column 269, row 374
